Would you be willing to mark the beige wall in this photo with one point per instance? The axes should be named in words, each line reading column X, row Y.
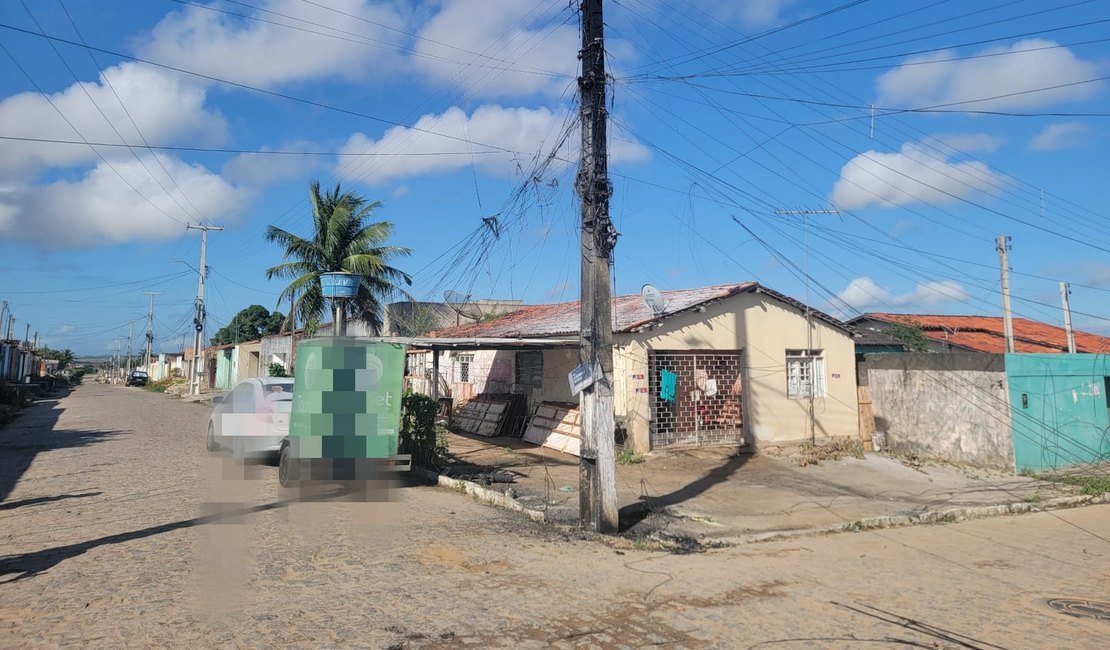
column 247, row 361
column 763, row 328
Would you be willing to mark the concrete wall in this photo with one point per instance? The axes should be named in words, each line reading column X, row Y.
column 948, row 406
column 276, row 349
column 1059, row 407
column 764, row 329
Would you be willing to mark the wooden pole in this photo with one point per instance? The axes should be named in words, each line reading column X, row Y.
column 597, row 466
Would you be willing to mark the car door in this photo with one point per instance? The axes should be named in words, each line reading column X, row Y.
column 241, row 416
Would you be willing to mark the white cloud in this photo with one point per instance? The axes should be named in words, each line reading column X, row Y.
column 910, row 176
column 920, row 82
column 863, row 294
column 101, row 209
column 165, row 106
column 264, row 54
column 968, row 142
column 257, row 170
column 509, row 33
column 1064, row 135
column 525, row 130
column 752, row 13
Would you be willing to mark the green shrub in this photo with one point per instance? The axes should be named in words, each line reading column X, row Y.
column 277, row 370
column 418, row 435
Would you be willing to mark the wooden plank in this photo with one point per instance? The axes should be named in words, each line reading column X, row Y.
column 866, row 418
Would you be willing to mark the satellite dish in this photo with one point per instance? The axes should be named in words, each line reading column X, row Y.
column 654, row 299
column 462, row 305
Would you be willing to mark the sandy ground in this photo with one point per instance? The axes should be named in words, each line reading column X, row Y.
column 118, row 530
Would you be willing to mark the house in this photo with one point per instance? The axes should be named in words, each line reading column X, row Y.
column 727, row 365
column 972, row 334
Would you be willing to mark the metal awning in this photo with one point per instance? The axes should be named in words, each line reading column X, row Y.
column 432, row 343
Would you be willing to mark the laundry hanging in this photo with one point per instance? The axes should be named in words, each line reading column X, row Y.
column 667, row 383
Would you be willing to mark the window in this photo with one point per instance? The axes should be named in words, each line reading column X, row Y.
column 463, row 364
column 529, row 369
column 805, row 374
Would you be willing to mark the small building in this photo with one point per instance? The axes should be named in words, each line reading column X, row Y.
column 728, row 365
column 972, row 334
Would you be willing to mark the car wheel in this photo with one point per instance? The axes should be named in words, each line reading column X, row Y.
column 210, row 442
column 286, row 475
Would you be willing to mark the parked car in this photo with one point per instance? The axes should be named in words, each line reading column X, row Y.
column 138, row 378
column 252, row 419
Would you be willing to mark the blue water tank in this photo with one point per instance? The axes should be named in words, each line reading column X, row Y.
column 339, row 285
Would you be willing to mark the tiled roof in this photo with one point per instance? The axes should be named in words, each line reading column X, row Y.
column 986, row 333
column 629, row 313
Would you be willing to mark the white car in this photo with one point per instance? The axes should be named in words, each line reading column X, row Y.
column 252, row 419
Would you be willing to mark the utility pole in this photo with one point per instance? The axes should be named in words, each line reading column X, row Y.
column 1003, row 246
column 150, row 330
column 116, row 361
column 4, row 314
column 35, row 345
column 27, row 336
column 1064, row 291
column 198, row 320
column 11, row 324
column 805, row 214
column 130, row 328
column 597, row 464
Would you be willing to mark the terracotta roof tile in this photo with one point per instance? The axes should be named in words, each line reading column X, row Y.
column 987, row 333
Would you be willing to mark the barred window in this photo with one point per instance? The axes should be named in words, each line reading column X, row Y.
column 805, row 374
column 529, row 369
column 463, row 363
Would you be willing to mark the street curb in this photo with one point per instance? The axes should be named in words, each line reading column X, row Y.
column 480, row 492
column 950, row 516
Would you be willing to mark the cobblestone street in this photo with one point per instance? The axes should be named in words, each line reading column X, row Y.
column 119, row 530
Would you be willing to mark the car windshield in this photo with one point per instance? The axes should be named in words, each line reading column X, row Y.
column 139, row 373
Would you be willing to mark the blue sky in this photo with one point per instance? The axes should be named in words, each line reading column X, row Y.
column 989, row 118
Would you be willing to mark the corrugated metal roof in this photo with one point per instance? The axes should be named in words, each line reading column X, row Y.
column 987, row 333
column 629, row 313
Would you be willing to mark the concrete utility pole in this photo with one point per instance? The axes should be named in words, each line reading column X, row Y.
column 1003, row 246
column 149, row 330
column 4, row 314
column 35, row 345
column 130, row 329
column 597, row 464
column 198, row 320
column 117, row 361
column 1064, row 291
column 27, row 335
column 11, row 324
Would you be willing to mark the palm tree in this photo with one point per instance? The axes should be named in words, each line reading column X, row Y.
column 344, row 240
column 65, row 358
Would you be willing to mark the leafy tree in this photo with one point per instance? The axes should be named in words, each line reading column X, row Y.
column 343, row 240
column 63, row 357
column 250, row 324
column 910, row 335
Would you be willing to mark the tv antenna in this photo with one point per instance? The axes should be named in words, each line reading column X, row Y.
column 462, row 305
column 654, row 299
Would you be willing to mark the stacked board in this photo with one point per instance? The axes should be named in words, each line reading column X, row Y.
column 481, row 416
column 555, row 426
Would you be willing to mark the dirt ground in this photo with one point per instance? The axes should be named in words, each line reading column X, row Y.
column 717, row 496
column 118, row 530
